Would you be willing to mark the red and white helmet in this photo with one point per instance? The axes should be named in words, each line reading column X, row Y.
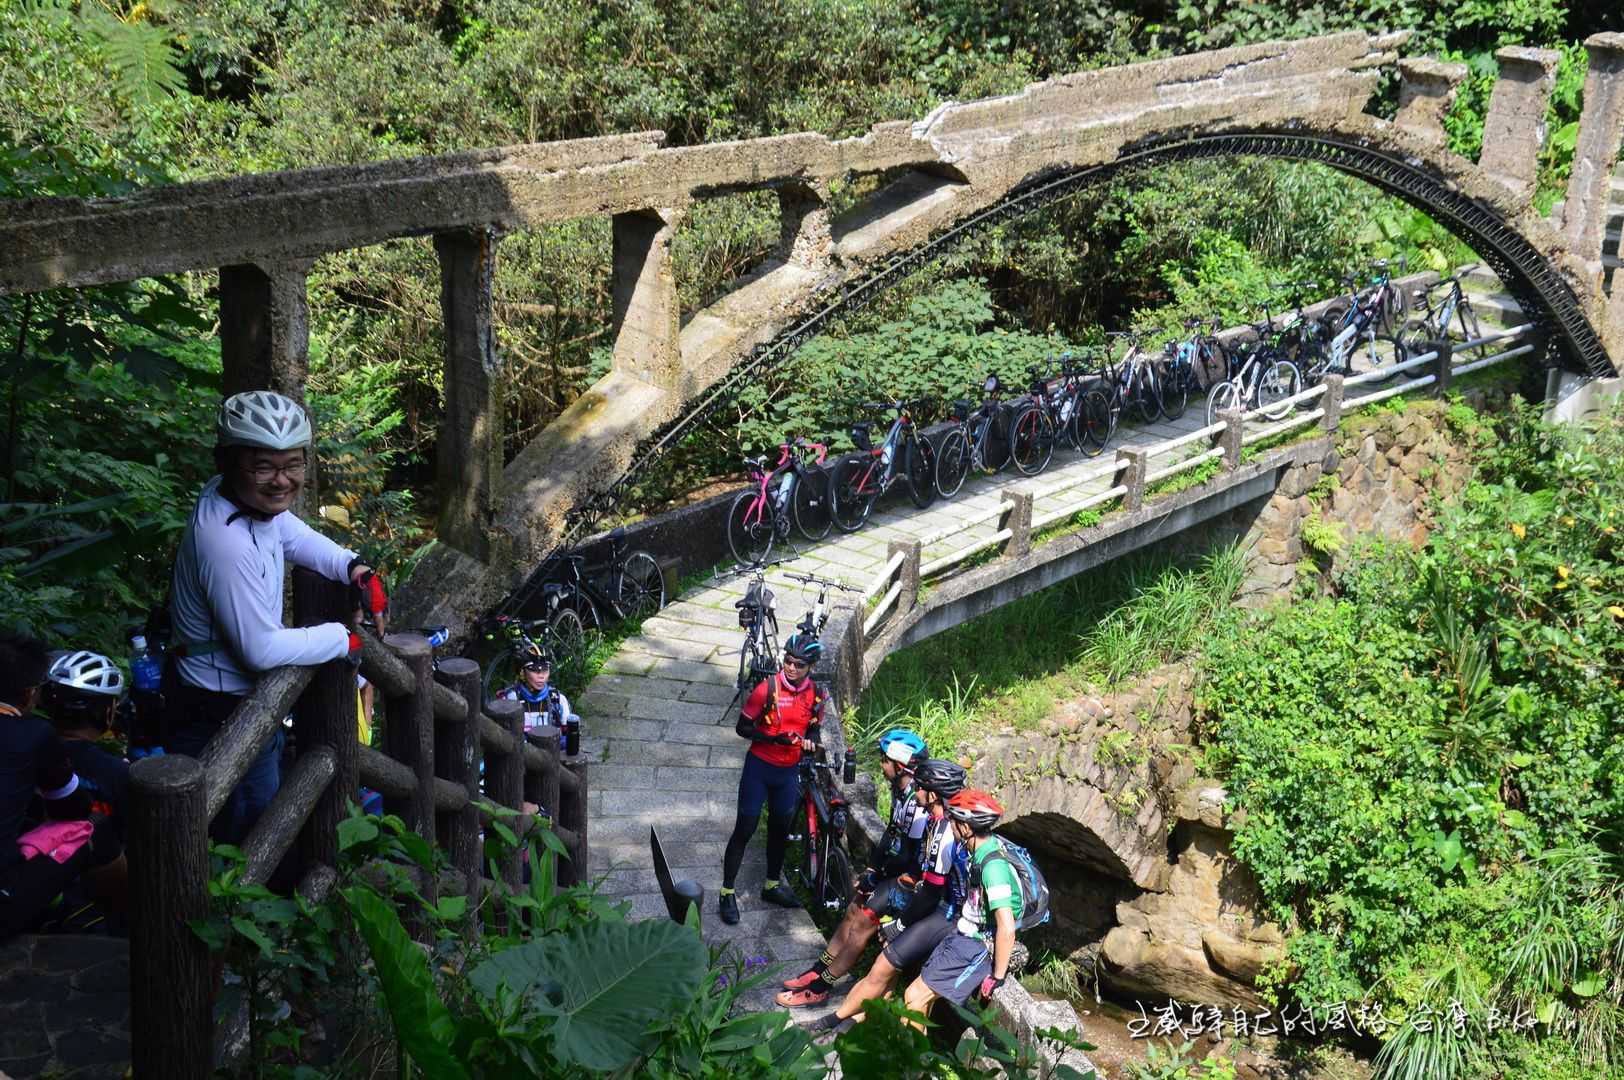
column 976, row 808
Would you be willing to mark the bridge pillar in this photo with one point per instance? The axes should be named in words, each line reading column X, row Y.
column 1584, row 216
column 647, row 313
column 468, row 455
column 265, row 328
column 803, row 224
column 1426, row 90
column 1017, row 518
column 1514, row 130
column 1330, row 401
column 907, row 574
column 1135, row 465
column 1230, row 438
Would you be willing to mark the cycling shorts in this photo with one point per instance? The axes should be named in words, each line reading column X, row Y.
column 889, row 898
column 915, row 944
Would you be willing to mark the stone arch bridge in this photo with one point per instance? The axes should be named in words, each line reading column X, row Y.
column 963, row 167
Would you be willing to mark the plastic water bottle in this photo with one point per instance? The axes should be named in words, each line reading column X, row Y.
column 885, row 454
column 146, row 672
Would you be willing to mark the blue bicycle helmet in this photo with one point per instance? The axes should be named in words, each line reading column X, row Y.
column 904, row 747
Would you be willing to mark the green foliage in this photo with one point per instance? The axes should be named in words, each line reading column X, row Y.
column 1321, row 536
column 1170, row 1062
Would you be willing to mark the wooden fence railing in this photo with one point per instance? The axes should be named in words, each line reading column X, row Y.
column 436, row 732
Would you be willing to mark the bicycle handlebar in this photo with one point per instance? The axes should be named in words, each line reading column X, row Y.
column 813, row 579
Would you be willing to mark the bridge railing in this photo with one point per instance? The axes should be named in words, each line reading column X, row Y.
column 436, row 732
column 1132, row 476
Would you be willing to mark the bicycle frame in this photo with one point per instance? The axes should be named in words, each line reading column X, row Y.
column 886, row 457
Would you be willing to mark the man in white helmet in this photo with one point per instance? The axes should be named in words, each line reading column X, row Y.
column 226, row 605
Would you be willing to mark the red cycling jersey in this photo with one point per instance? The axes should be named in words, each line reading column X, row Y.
column 793, row 709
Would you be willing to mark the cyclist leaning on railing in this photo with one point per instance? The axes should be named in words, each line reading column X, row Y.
column 781, row 718
column 226, row 593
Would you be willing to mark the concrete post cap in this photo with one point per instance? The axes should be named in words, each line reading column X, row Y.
column 1514, row 55
column 1424, row 69
column 1600, row 45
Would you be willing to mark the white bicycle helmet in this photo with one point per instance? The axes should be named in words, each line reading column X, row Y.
column 90, row 672
column 264, row 419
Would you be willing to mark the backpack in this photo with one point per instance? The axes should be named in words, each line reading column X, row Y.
column 1034, row 890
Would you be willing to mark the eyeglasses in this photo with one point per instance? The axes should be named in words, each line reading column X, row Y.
column 790, row 661
column 264, row 473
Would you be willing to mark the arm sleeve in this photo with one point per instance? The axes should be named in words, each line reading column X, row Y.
column 750, row 715
column 926, row 899
column 244, row 619
column 304, row 546
column 65, row 798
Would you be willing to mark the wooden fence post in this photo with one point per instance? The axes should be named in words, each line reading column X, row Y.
column 504, row 772
column 456, row 757
column 409, row 739
column 572, row 814
column 1331, row 401
column 1136, row 464
column 542, row 787
column 1230, row 438
column 327, row 715
column 1017, row 518
column 171, row 1014
column 1444, row 370
column 907, row 573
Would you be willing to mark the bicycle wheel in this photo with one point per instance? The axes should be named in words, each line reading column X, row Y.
column 501, row 673
column 1174, row 390
column 1471, row 331
column 852, row 503
column 1032, row 440
column 1379, row 353
column 1094, row 428
column 749, row 528
column 1223, row 396
column 640, row 591
column 569, row 643
column 837, row 876
column 1332, row 319
column 1142, row 393
column 812, row 504
column 1280, row 381
column 952, row 463
column 919, row 470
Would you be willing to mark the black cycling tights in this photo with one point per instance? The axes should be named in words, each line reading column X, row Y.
column 776, row 787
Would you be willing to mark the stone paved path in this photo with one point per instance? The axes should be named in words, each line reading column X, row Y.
column 64, row 1007
column 657, row 717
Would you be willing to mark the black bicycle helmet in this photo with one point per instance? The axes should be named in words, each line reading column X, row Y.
column 941, row 776
column 803, row 646
column 536, row 660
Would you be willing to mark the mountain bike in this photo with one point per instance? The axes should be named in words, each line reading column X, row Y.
column 1265, row 378
column 825, row 866
column 560, row 636
column 861, row 478
column 1128, row 383
column 1174, row 373
column 1032, row 425
column 1437, row 321
column 1202, row 356
column 1384, row 303
column 761, row 515
column 1361, row 326
column 978, row 441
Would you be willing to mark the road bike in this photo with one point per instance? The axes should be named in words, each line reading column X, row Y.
column 1032, row 425
column 628, row 584
column 979, row 439
column 758, row 616
column 818, row 615
column 1264, row 379
column 825, row 866
column 1438, row 321
column 861, row 478
column 796, row 485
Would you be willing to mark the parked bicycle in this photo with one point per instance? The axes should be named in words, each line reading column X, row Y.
column 818, row 614
column 796, row 485
column 1360, row 327
column 861, row 478
column 561, row 636
column 1440, row 319
column 1032, row 425
column 1202, row 356
column 1265, row 379
column 758, row 616
column 979, row 439
column 825, row 866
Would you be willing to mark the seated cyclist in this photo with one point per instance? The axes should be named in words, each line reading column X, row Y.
column 544, row 704
column 882, row 890
column 781, row 719
column 81, row 691
column 974, row 957
column 915, row 932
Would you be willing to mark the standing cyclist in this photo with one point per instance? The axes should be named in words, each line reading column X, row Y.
column 781, row 718
column 544, row 703
column 226, row 601
column 887, row 886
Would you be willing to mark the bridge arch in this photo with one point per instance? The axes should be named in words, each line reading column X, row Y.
column 1361, row 151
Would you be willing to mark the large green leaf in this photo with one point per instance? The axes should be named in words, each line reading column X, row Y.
column 422, row 1023
column 603, row 984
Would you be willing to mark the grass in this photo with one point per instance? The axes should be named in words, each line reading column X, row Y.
column 1187, row 479
column 1082, row 519
column 1011, row 666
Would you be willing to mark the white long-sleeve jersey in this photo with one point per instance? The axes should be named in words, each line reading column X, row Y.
column 228, row 592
